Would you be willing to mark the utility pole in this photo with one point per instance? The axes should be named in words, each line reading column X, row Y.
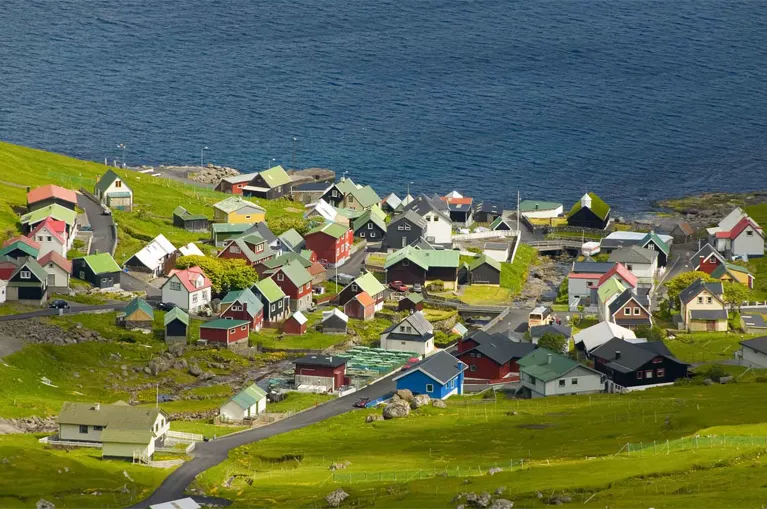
column 122, row 146
column 269, row 163
column 202, row 153
column 517, row 211
column 293, row 155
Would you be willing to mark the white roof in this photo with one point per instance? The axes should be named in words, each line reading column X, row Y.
column 255, row 188
column 300, row 317
column 236, row 179
column 636, row 236
column 393, row 200
column 152, row 254
column 731, row 219
column 181, row 503
column 599, row 334
column 191, row 249
column 322, row 208
column 335, row 311
column 454, row 194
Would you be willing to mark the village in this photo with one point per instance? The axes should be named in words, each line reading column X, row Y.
column 366, row 301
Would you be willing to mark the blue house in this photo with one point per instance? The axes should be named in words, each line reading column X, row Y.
column 439, row 375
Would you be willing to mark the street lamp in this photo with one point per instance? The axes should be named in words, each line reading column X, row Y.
column 293, row 155
column 202, row 153
column 343, row 177
column 269, row 163
column 408, row 189
column 122, row 146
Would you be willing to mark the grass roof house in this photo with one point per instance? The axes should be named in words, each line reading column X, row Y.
column 589, row 212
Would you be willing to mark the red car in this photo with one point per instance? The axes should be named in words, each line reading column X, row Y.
column 362, row 402
column 398, row 286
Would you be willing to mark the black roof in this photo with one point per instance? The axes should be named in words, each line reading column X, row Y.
column 708, row 314
column 618, row 243
column 327, row 361
column 311, row 186
column 632, row 355
column 592, row 267
column 623, row 299
column 263, row 231
column 489, row 207
column 754, row 320
column 411, row 216
column 689, row 293
column 706, row 251
column 538, row 331
column 424, row 204
column 440, row 366
column 758, row 344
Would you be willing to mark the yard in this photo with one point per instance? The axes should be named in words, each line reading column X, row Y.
column 311, row 340
column 706, row 346
column 297, row 401
column 513, row 279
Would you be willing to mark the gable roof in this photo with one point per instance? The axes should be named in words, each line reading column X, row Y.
column 295, row 272
column 368, row 283
column 243, row 243
column 275, row 176
column 424, row 204
column 56, row 228
column 535, row 205
column 323, row 209
column 186, row 215
column 56, row 259
column 411, row 216
column 286, row 258
column 152, row 255
column 176, row 314
column 706, row 252
column 483, row 259
column 51, row 191
column 537, row 331
column 501, row 220
column 299, row 317
column 610, row 288
column 655, row 239
column 601, row 333
column 331, row 229
column 33, row 266
column 440, row 367
column 223, row 323
column 231, row 227
column 335, row 312
column 107, row 179
column 292, row 239
column 418, row 322
column 758, row 344
column 729, row 268
column 248, row 397
column 25, row 244
column 738, row 229
column 685, row 228
column 598, row 207
column 55, row 211
column 715, row 288
column 365, row 196
column 188, row 278
column 101, row 263
column 632, row 355
column 415, row 298
column 633, row 254
column 537, row 365
column 393, row 201
column 191, row 249
column 627, row 296
column 235, row 203
column 136, row 305
column 328, row 361
column 269, row 289
column 116, row 417
column 344, row 185
column 245, row 296
column 237, row 179
column 621, row 271
column 364, row 299
column 592, row 267
column 498, row 347
column 425, row 259
column 369, row 215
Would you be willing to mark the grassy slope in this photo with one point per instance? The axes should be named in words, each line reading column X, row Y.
column 513, row 278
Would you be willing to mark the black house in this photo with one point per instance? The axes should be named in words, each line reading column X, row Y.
column 637, row 364
column 182, row 218
column 589, row 212
column 405, row 230
column 100, row 270
column 484, row 270
column 269, row 184
column 28, row 282
column 176, row 323
column 487, row 212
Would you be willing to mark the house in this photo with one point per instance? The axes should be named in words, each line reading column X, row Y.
column 654, row 242
column 249, row 247
column 540, row 209
column 100, row 270
column 51, row 235
column 295, row 325
column 269, row 184
column 327, row 371
column 225, row 332
column 583, row 280
column 545, row 373
column 29, row 282
column 190, row 249
column 265, row 233
column 413, row 334
column 276, row 303
column 190, row 289
column 332, row 243
column 501, row 224
column 460, row 208
column 412, row 265
column 439, row 226
column 702, row 307
column 367, row 283
column 360, row 198
column 334, row 321
column 622, row 274
column 651, row 240
column 243, row 305
column 391, row 204
column 682, row 232
column 113, row 192
column 50, row 194
column 411, row 302
column 156, row 258
column 325, row 211
column 597, row 335
column 498, row 251
column 361, row 306
column 285, row 258
column 137, row 314
column 292, row 241
column 176, row 324
column 753, row 323
column 221, row 232
column 246, row 404
column 308, row 192
column 735, row 273
column 487, row 212
column 606, row 294
column 707, row 259
column 124, row 431
column 405, row 230
column 630, row 310
column 3, row 290
column 753, row 352
column 185, row 220
column 20, row 247
column 484, row 270
column 589, row 212
column 236, row 210
column 538, row 331
column 491, row 357
column 439, row 376
column 336, row 192
column 296, row 282
column 641, row 262
column 636, row 366
column 58, row 269
column 31, row 219
column 737, row 235
column 370, row 225
column 7, row 267
column 234, row 184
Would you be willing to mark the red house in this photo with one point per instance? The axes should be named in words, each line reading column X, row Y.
column 225, row 332
column 332, row 242
column 707, row 259
column 361, row 306
column 234, row 185
column 243, row 305
column 295, row 325
column 491, row 357
column 327, row 371
column 295, row 282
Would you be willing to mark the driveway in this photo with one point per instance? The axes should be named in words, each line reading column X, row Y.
column 210, row 454
column 76, row 308
column 103, row 238
column 133, row 284
column 353, row 266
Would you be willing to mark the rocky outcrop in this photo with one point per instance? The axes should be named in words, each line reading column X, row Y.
column 34, row 331
column 44, row 504
column 404, row 394
column 335, row 498
column 419, row 401
column 211, row 174
column 438, row 403
column 27, row 425
column 396, row 409
column 502, row 503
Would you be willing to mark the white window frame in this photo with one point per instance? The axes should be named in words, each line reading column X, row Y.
column 370, row 226
column 280, row 276
column 175, row 286
column 25, row 274
column 636, row 311
column 429, row 387
column 626, row 311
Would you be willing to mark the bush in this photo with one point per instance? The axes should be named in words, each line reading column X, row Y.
column 436, row 286
column 440, row 338
column 653, row 333
column 715, row 373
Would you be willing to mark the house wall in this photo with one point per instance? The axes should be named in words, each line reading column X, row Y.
column 107, row 280
column 48, row 242
column 644, row 272
column 447, row 275
column 545, row 213
column 408, row 274
column 399, row 345
column 3, row 293
column 354, row 309
column 246, row 215
column 225, row 336
column 497, row 254
column 72, row 432
column 631, row 306
column 438, row 230
column 708, row 266
column 255, row 321
column 300, row 297
column 486, row 275
column 672, row 371
column 483, row 367
column 709, row 303
column 122, row 450
column 579, row 288
column 587, row 219
column 748, row 245
column 397, row 238
column 331, row 377
column 588, row 382
column 175, row 329
column 417, row 382
column 178, row 297
column 702, row 325
column 60, row 276
column 291, row 326
column 753, row 357
column 370, row 232
column 231, row 411
column 335, row 251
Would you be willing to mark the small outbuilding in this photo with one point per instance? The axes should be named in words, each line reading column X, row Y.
column 295, row 325
column 334, row 321
column 411, row 302
column 361, row 307
column 176, row 326
column 224, row 332
column 246, row 404
column 184, row 219
column 328, row 371
column 138, row 314
column 100, row 270
column 485, row 270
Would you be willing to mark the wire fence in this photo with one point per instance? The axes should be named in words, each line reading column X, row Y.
column 692, row 443
column 424, row 473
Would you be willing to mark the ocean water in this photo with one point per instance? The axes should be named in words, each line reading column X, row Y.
column 634, row 100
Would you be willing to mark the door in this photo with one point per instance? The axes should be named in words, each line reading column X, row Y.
column 51, row 279
column 29, row 293
column 404, row 241
column 711, row 325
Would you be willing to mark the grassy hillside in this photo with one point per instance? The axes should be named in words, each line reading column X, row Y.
column 154, row 198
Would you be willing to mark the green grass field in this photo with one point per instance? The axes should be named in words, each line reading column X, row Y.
column 706, row 346
column 513, row 279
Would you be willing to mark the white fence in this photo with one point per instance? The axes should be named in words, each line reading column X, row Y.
column 184, row 437
column 486, row 235
column 70, row 443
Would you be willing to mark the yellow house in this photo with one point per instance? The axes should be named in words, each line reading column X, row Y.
column 730, row 272
column 703, row 307
column 236, row 210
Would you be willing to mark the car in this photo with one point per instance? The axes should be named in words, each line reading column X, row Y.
column 106, row 212
column 86, row 228
column 166, row 306
column 398, row 286
column 362, row 403
column 58, row 304
column 417, row 288
column 342, row 279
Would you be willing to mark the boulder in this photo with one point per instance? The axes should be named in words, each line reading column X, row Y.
column 396, row 409
column 207, row 375
column 478, row 500
column 419, row 401
column 502, row 503
column 335, row 498
column 44, row 504
column 176, row 349
column 726, row 379
column 494, row 470
column 438, row 403
column 195, row 370
column 405, row 394
column 373, row 418
column 708, row 381
column 500, row 490
column 157, row 366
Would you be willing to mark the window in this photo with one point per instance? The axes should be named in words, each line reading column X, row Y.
column 479, row 355
column 235, row 250
column 244, row 327
column 408, row 329
column 259, row 248
column 370, row 226
column 749, row 233
column 175, row 286
column 118, row 183
column 39, row 238
column 429, row 388
column 228, row 318
column 362, row 235
column 472, row 355
column 48, row 238
column 247, row 217
column 472, row 368
column 657, row 360
column 280, row 276
column 83, row 429
column 700, row 300
column 308, row 286
column 400, row 227
column 237, row 307
column 590, row 284
column 194, row 297
column 639, row 375
column 334, row 193
column 402, row 343
column 630, row 267
column 636, row 311
column 561, row 383
column 406, row 263
column 627, row 311
column 350, row 198
column 709, row 300
column 232, row 331
column 98, row 428
column 25, row 274
column 651, row 247
column 648, row 374
column 660, row 372
column 573, row 381
column 272, row 308
column 372, row 235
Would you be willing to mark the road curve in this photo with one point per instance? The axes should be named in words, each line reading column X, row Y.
column 71, row 311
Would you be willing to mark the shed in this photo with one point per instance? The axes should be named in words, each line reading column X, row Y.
column 439, row 376
column 176, row 323
column 182, row 218
column 323, row 370
column 411, row 302
column 138, row 314
column 334, row 322
column 485, row 270
column 361, row 306
column 224, row 332
column 246, row 404
column 100, row 270
column 295, row 324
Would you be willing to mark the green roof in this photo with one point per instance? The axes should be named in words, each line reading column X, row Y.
column 186, row 215
column 291, row 237
column 366, row 216
column 484, row 259
column 295, row 272
column 536, row 364
column 176, row 314
column 276, row 176
column 719, row 271
column 415, row 298
column 345, row 185
column 335, row 230
column 126, row 436
column 609, row 288
column 270, row 290
column 425, row 259
column 23, row 246
column 106, row 180
column 657, row 241
column 34, row 267
column 349, row 213
column 223, row 323
column 230, row 227
column 249, row 396
column 245, row 296
column 368, row 283
column 306, row 254
column 117, row 417
column 286, row 258
column 598, row 207
column 533, row 205
column 138, row 304
column 409, row 252
column 737, row 268
column 235, row 203
column 55, row 211
column 365, row 196
column 498, row 220
column 101, row 263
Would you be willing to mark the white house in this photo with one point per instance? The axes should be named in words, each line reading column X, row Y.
column 599, row 334
column 439, row 228
column 737, row 235
column 498, row 251
column 753, row 352
column 545, row 373
column 641, row 262
column 153, row 257
column 190, row 249
column 52, row 236
column 413, row 334
column 58, row 269
column 540, row 209
column 246, row 404
column 188, row 289
column 114, row 192
column 3, row 288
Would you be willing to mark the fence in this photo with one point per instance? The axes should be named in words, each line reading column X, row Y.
column 486, row 235
column 69, row 443
column 179, row 436
column 422, row 473
column 692, row 443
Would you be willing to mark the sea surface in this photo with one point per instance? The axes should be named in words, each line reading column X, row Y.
column 635, row 100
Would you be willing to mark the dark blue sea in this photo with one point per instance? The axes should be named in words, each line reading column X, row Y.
column 634, row 100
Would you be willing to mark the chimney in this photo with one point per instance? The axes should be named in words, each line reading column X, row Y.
column 97, row 406
column 617, row 354
column 548, row 358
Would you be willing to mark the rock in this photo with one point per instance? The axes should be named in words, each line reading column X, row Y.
column 726, row 379
column 75, row 374
column 494, row 470
column 405, row 394
column 500, row 490
column 502, row 503
column 708, row 381
column 335, row 498
column 176, row 349
column 419, row 401
column 438, row 403
column 512, row 413
column 180, row 364
column 147, row 370
column 460, row 506
column 458, row 497
column 396, row 409
column 559, row 500
column 157, row 366
column 207, row 375
column 195, row 370
column 44, row 504
column 538, row 495
column 481, row 500
column 373, row 418
column 340, row 466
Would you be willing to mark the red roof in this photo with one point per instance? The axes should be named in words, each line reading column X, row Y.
column 56, row 227
column 25, row 240
column 6, row 270
column 189, row 276
column 457, row 201
column 51, row 191
column 53, row 256
column 573, row 275
column 738, row 229
column 316, row 268
column 365, row 299
column 621, row 271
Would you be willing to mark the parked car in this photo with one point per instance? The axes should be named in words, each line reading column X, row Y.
column 58, row 304
column 342, row 279
column 417, row 288
column 106, row 212
column 86, row 228
column 166, row 306
column 362, row 402
column 398, row 286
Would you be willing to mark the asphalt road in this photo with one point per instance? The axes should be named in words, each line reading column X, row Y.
column 103, row 238
column 132, row 284
column 353, row 266
column 52, row 312
column 210, row 454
